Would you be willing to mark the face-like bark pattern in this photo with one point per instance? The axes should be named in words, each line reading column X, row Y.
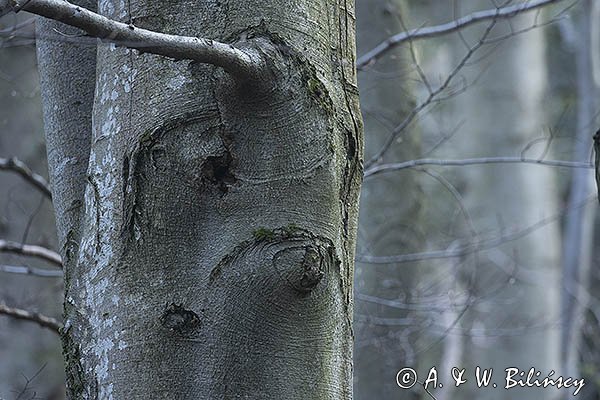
column 216, row 257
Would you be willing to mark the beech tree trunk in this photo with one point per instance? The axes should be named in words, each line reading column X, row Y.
column 207, row 224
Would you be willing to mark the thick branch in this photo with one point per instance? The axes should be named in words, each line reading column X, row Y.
column 25, row 315
column 473, row 161
column 453, row 26
column 244, row 65
column 15, row 165
column 31, row 251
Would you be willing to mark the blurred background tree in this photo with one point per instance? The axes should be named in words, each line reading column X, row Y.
column 26, row 216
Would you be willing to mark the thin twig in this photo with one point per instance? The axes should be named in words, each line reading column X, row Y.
column 449, row 27
column 15, row 165
column 379, row 169
column 457, row 197
column 31, row 251
column 431, row 98
column 26, row 270
column 17, row 26
column 30, row 220
column 243, row 64
column 42, row 320
column 470, row 247
column 26, row 388
column 413, row 55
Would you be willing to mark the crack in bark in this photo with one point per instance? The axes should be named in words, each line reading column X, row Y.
column 96, row 192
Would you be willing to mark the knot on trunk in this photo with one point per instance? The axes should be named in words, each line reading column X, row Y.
column 178, row 319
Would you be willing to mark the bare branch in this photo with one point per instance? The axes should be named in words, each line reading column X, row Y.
column 31, row 251
column 25, row 270
column 25, row 315
column 457, row 249
column 452, row 26
column 27, row 389
column 431, row 98
column 17, row 26
column 245, row 65
column 457, row 196
column 18, row 166
column 379, row 169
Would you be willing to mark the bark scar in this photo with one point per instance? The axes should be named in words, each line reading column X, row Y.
column 177, row 319
column 96, row 191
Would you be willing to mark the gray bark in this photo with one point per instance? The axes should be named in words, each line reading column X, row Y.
column 67, row 77
column 217, row 241
column 67, row 81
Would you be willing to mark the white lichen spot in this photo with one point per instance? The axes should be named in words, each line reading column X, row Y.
column 106, row 7
column 106, row 185
column 114, row 95
column 98, row 290
column 122, row 345
column 128, row 76
column 102, row 350
column 137, row 232
column 108, row 323
column 110, row 124
column 176, row 82
column 60, row 168
column 106, row 392
column 104, row 94
column 122, row 10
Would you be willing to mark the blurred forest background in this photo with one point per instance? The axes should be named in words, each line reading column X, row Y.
column 478, row 213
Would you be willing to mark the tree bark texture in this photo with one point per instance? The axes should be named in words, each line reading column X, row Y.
column 216, row 247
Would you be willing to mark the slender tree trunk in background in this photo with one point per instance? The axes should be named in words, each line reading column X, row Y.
column 390, row 212
column 67, row 78
column 516, row 286
column 579, row 220
column 216, row 235
column 25, row 215
column 445, row 300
